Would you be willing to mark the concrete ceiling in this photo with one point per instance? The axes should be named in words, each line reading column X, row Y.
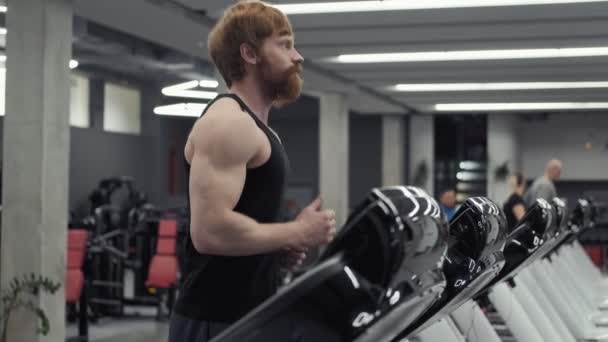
column 184, row 24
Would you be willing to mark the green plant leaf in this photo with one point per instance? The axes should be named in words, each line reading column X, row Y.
column 30, row 284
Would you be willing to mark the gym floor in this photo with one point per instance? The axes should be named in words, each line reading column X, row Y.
column 135, row 330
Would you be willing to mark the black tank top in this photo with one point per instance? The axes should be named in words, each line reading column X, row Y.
column 225, row 288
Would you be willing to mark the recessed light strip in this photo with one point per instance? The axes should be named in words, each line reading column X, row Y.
column 472, row 107
column 436, row 56
column 181, row 109
column 404, row 5
column 434, row 87
column 186, row 89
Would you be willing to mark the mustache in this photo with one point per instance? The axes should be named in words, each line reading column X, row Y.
column 296, row 68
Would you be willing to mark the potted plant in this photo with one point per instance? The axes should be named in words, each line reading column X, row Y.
column 21, row 294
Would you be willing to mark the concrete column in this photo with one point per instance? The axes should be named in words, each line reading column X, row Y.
column 333, row 154
column 503, row 147
column 422, row 152
column 36, row 153
column 393, row 143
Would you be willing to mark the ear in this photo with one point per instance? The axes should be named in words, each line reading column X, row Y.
column 248, row 53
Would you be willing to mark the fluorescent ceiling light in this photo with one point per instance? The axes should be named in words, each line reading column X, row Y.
column 404, row 5
column 3, row 31
column 181, row 109
column 185, row 90
column 2, row 58
column 471, row 107
column 469, row 176
column 208, row 84
column 3, row 9
column 498, row 86
column 469, row 165
column 435, row 56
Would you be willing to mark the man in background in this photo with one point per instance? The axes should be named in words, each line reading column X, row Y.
column 543, row 187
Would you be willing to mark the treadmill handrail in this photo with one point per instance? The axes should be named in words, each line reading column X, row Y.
column 268, row 309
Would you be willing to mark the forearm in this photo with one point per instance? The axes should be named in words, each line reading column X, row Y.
column 234, row 234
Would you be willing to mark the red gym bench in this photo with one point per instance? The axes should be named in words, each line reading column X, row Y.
column 74, row 278
column 163, row 270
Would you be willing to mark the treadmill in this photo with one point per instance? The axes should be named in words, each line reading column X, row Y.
column 384, row 265
column 477, row 235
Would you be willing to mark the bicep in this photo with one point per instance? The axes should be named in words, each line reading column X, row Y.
column 217, row 170
column 214, row 191
column 213, row 187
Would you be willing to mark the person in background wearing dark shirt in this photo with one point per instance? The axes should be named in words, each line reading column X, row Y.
column 515, row 207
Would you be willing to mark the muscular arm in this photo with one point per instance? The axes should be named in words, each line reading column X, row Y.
column 223, row 143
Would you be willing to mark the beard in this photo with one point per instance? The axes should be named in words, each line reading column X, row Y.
column 284, row 88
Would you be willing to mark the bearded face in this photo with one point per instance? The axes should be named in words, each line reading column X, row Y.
column 282, row 84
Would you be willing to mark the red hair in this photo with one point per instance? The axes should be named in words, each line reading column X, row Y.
column 245, row 22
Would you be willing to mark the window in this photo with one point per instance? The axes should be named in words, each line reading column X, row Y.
column 2, row 90
column 122, row 112
column 79, row 101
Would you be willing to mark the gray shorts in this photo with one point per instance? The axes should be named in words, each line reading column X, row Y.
column 184, row 329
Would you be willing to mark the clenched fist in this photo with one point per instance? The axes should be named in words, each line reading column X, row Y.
column 318, row 227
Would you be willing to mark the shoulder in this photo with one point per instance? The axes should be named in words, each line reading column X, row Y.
column 224, row 120
column 538, row 182
column 226, row 113
column 546, row 180
column 225, row 131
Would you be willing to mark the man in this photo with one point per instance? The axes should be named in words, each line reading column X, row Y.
column 447, row 202
column 543, row 187
column 237, row 172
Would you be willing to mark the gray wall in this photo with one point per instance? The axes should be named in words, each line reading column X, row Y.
column 564, row 136
column 503, row 146
column 96, row 154
column 365, row 157
column 298, row 127
column 421, row 151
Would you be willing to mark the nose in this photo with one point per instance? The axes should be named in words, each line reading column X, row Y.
column 297, row 57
